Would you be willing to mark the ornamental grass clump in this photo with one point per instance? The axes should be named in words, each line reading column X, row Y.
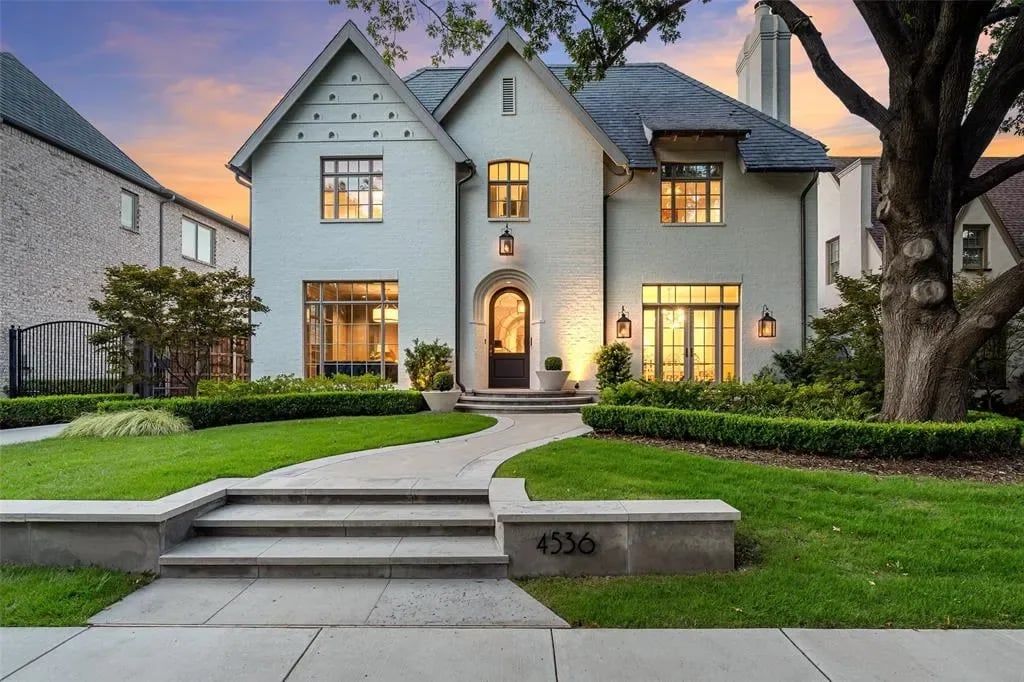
column 128, row 423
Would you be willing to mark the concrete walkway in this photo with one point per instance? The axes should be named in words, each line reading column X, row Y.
column 28, row 434
column 273, row 654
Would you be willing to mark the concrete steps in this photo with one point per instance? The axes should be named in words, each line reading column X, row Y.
column 522, row 401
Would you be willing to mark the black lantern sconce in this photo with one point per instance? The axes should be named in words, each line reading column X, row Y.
column 506, row 243
column 623, row 326
column 766, row 325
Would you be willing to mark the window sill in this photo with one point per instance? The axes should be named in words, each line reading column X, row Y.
column 693, row 224
column 508, row 220
column 199, row 262
column 133, row 230
column 350, row 222
column 977, row 269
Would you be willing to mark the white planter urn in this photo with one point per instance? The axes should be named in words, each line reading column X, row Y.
column 552, row 379
column 441, row 401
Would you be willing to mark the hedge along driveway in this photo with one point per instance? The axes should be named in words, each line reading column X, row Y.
column 51, row 409
column 146, row 468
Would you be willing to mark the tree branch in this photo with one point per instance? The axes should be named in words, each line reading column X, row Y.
column 1001, row 13
column 643, row 30
column 993, row 308
column 859, row 102
column 996, row 175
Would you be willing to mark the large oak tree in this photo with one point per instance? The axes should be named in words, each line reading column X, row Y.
column 947, row 101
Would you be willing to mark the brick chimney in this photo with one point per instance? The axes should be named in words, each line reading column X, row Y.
column 762, row 66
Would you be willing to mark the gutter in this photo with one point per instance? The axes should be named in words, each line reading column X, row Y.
column 458, row 268
column 604, row 250
column 803, row 262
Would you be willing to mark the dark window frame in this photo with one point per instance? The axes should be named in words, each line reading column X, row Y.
column 831, row 266
column 134, row 227
column 374, row 170
column 677, row 173
column 508, row 183
column 981, row 232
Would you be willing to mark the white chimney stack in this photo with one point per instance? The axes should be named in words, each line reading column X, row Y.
column 762, row 67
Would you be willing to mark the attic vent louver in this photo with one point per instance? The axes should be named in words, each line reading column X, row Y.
column 508, row 96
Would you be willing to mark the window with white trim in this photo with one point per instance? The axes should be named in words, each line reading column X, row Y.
column 197, row 241
column 975, row 243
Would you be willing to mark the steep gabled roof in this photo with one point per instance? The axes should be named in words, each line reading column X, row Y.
column 508, row 38
column 28, row 103
column 349, row 34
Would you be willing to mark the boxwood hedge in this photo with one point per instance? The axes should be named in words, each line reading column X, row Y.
column 207, row 412
column 983, row 437
column 51, row 409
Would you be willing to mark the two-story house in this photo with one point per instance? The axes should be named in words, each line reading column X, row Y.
column 497, row 211
column 72, row 204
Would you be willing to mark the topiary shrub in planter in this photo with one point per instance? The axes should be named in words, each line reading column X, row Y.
column 552, row 377
column 128, row 423
column 441, row 397
column 424, row 360
column 614, row 362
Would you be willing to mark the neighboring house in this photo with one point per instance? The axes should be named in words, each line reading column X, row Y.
column 73, row 204
column 379, row 204
column 988, row 238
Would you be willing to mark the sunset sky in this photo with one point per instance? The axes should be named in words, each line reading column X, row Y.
column 180, row 85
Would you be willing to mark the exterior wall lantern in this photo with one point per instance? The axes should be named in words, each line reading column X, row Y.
column 506, row 243
column 623, row 326
column 766, row 325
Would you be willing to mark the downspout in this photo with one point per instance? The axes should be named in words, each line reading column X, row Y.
column 803, row 263
column 248, row 186
column 160, row 222
column 458, row 268
column 604, row 252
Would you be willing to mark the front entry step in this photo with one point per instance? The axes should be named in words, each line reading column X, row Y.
column 522, row 401
column 336, row 557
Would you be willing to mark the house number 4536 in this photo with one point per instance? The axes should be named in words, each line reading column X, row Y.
column 564, row 542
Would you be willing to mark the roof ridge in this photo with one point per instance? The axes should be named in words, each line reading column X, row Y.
column 731, row 100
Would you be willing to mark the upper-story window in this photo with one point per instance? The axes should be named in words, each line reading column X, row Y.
column 353, row 189
column 129, row 210
column 831, row 260
column 508, row 187
column 975, row 243
column 197, row 241
column 691, row 192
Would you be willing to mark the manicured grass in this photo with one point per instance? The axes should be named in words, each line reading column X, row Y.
column 830, row 549
column 149, row 467
column 41, row 595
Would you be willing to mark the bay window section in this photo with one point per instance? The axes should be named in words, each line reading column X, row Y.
column 351, row 328
column 689, row 332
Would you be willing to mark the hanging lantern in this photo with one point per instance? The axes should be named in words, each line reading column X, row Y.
column 623, row 326
column 506, row 243
column 388, row 312
column 766, row 325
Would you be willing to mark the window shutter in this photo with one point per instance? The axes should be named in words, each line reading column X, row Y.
column 508, row 96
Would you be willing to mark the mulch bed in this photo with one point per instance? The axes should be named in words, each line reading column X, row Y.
column 989, row 470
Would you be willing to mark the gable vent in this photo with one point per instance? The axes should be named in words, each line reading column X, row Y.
column 508, row 96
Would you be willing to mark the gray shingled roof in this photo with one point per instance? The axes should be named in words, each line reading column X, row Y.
column 28, row 103
column 632, row 93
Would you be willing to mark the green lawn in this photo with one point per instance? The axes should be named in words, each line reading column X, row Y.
column 829, row 549
column 146, row 468
column 41, row 595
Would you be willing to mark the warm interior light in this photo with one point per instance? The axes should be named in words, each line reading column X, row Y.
column 766, row 325
column 506, row 243
column 390, row 313
column 623, row 326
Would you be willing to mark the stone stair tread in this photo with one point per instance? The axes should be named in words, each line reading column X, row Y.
column 334, row 551
column 345, row 515
column 554, row 400
column 490, row 407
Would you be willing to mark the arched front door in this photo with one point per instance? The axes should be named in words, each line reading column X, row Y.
column 509, row 347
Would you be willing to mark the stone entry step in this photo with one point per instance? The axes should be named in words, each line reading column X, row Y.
column 349, row 520
column 361, row 492
column 525, row 400
column 335, row 557
column 534, row 407
column 522, row 401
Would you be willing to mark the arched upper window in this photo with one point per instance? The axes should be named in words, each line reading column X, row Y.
column 508, row 185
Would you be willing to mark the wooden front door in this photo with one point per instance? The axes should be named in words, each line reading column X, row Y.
column 509, row 340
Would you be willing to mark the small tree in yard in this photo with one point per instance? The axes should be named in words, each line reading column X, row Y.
column 424, row 360
column 179, row 314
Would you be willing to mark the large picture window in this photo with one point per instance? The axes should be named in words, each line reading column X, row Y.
column 353, row 189
column 691, row 192
column 351, row 328
column 508, row 189
column 690, row 331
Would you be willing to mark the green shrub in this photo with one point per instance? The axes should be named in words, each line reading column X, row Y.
column 289, row 383
column 762, row 398
column 424, row 360
column 442, row 381
column 95, row 386
column 614, row 363
column 53, row 409
column 206, row 412
column 128, row 423
column 985, row 437
column 553, row 363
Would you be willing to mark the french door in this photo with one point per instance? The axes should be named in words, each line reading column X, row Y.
column 697, row 343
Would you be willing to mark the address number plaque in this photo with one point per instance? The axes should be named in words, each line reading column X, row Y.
column 566, row 542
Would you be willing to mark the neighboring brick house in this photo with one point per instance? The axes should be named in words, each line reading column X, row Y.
column 72, row 204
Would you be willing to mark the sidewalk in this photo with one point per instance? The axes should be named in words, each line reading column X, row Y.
column 27, row 434
column 258, row 654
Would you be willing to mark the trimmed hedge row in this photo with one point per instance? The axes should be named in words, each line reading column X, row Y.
column 207, row 412
column 52, row 409
column 985, row 437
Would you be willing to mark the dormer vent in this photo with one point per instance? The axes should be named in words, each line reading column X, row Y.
column 508, row 96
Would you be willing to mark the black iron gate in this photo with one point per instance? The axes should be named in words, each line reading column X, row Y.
column 56, row 358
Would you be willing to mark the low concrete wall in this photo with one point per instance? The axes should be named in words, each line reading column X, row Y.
column 125, row 536
column 612, row 537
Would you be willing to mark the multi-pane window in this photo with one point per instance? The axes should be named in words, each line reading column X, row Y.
column 690, row 331
column 691, row 192
column 197, row 241
column 508, row 187
column 353, row 189
column 129, row 210
column 831, row 260
column 351, row 328
column 975, row 240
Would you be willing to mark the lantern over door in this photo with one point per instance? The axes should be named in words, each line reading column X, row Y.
column 506, row 243
column 623, row 326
